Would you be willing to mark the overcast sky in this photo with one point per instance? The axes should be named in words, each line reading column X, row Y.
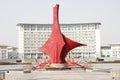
column 12, row 12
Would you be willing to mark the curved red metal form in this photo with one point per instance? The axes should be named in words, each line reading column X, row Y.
column 57, row 46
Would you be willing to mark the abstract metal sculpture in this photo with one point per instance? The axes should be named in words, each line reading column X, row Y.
column 58, row 45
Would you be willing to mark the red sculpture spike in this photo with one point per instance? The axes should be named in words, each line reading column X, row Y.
column 57, row 46
column 69, row 46
column 53, row 47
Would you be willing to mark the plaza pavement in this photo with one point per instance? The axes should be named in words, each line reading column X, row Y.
column 59, row 75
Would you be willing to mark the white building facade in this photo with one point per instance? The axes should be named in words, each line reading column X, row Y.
column 115, row 50
column 111, row 52
column 106, row 51
column 33, row 36
column 8, row 52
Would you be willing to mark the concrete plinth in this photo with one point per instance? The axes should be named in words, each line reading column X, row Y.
column 58, row 65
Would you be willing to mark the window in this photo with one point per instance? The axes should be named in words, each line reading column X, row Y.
column 26, row 27
column 33, row 56
column 27, row 56
column 33, row 28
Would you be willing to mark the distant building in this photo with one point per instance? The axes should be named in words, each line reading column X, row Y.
column 8, row 52
column 33, row 36
column 115, row 50
column 106, row 51
column 111, row 51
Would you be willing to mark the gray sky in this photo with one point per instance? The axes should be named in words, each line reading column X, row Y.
column 12, row 12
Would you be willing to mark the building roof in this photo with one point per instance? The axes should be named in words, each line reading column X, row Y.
column 2, row 45
column 60, row 24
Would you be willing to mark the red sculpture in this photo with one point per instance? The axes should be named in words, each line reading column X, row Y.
column 58, row 45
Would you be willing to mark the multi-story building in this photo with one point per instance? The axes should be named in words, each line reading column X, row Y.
column 115, row 50
column 106, row 51
column 111, row 52
column 33, row 36
column 8, row 52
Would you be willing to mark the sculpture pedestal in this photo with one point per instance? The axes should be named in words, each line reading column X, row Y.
column 58, row 67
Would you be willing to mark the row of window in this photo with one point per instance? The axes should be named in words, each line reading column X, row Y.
column 46, row 35
column 40, row 56
column 81, row 49
column 63, row 27
column 65, row 32
column 33, row 56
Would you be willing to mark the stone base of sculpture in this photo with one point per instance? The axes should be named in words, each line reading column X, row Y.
column 58, row 67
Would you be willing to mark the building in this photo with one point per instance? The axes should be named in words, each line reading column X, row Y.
column 106, row 51
column 33, row 36
column 8, row 52
column 115, row 50
column 111, row 52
